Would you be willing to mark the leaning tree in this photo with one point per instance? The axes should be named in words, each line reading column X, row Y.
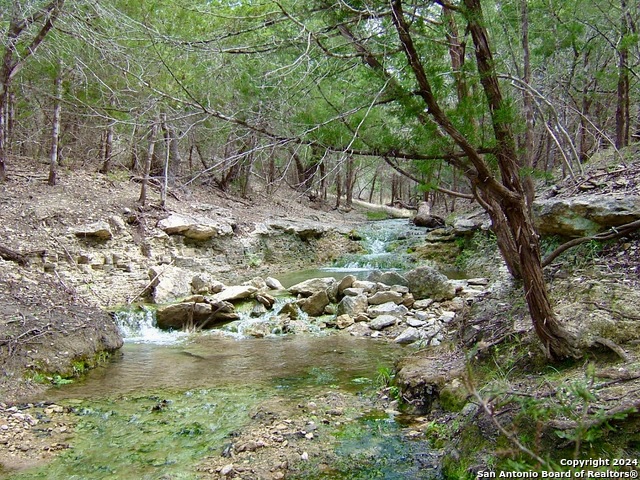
column 399, row 98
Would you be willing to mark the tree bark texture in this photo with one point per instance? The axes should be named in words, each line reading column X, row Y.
column 55, row 128
column 147, row 164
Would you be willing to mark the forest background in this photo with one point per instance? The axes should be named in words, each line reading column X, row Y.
column 388, row 101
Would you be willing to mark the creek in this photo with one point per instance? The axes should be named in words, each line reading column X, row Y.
column 168, row 401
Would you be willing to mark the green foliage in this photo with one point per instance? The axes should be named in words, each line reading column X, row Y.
column 480, row 244
column 385, row 381
column 376, row 215
column 575, row 403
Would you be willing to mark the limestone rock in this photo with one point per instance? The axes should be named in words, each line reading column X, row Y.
column 313, row 285
column 315, row 304
column 204, row 283
column 98, row 231
column 291, row 310
column 415, row 322
column 303, row 229
column 344, row 321
column 388, row 278
column 468, row 224
column 388, row 308
column 382, row 322
column 427, row 282
column 369, row 287
column 353, row 305
column 273, row 283
column 385, row 297
column 194, row 315
column 169, row 283
column 584, row 215
column 424, row 218
column 177, row 316
column 237, row 292
column 423, row 304
column 352, row 292
column 266, row 300
column 422, row 376
column 359, row 329
column 409, row 335
column 194, row 226
column 346, row 282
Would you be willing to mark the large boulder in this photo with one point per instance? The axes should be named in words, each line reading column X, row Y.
column 466, row 225
column 353, row 305
column 190, row 315
column 314, row 285
column 237, row 292
column 379, row 298
column 584, row 215
column 424, row 375
column 169, row 283
column 195, row 227
column 388, row 278
column 315, row 304
column 427, row 282
column 304, row 229
column 100, row 230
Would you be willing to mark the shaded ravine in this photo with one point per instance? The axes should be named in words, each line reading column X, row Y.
column 170, row 405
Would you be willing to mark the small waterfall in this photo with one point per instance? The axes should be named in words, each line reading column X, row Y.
column 384, row 242
column 139, row 326
column 272, row 322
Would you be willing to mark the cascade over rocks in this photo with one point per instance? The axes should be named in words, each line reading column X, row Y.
column 366, row 308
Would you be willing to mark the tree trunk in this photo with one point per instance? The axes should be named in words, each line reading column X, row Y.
column 527, row 150
column 338, row 188
column 172, row 155
column 55, row 129
column 558, row 343
column 373, row 186
column 349, row 182
column 12, row 61
column 147, row 163
column 622, row 97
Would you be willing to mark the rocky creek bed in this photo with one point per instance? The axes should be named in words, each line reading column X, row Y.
column 84, row 245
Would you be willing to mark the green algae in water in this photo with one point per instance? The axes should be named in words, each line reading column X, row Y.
column 374, row 447
column 150, row 436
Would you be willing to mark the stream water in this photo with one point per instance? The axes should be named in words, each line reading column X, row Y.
column 168, row 400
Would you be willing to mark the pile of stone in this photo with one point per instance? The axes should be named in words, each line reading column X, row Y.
column 417, row 306
column 29, row 432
